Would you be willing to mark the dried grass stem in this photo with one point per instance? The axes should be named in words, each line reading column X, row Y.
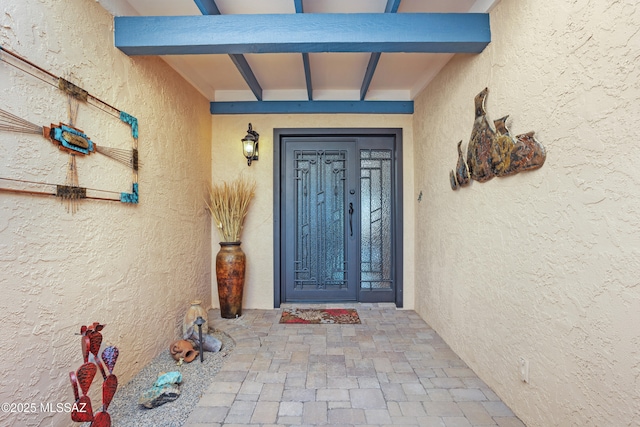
column 228, row 204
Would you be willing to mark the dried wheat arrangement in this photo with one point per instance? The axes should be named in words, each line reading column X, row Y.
column 228, row 204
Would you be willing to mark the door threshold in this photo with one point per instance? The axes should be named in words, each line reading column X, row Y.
column 341, row 304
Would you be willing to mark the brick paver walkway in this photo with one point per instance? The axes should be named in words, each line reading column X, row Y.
column 392, row 369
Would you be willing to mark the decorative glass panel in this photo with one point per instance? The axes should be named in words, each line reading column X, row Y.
column 376, row 257
column 320, row 240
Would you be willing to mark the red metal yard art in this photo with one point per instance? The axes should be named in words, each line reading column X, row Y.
column 82, row 410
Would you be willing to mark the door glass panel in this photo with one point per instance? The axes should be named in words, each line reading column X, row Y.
column 376, row 232
column 319, row 208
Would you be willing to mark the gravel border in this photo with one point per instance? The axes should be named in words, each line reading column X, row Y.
column 196, row 379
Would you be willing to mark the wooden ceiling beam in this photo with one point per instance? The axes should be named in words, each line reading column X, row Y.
column 305, row 58
column 303, row 33
column 312, row 107
column 209, row 7
column 392, row 7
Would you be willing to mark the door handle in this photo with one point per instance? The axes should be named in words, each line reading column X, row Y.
column 351, row 218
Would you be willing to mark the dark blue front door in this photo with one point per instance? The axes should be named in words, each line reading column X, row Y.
column 338, row 219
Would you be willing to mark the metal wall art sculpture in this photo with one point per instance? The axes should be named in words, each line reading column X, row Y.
column 494, row 152
column 82, row 411
column 69, row 139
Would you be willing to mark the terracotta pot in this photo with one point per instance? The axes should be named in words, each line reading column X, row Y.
column 230, row 266
column 183, row 349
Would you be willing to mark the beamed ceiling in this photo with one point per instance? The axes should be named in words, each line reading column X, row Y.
column 304, row 56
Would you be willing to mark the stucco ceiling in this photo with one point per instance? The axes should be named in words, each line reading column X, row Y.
column 334, row 76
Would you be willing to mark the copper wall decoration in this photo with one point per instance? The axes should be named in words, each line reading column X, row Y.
column 70, row 140
column 492, row 151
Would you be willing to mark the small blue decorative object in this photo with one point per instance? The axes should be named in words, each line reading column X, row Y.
column 65, row 136
column 130, row 197
column 128, row 118
column 173, row 377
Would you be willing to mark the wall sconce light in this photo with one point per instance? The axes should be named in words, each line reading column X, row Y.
column 250, row 145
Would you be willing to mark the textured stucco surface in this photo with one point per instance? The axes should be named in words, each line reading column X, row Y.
column 257, row 237
column 544, row 265
column 134, row 268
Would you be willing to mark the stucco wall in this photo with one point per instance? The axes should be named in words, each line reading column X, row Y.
column 543, row 265
column 257, row 236
column 134, row 268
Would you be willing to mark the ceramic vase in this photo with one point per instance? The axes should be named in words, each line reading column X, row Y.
column 193, row 312
column 230, row 268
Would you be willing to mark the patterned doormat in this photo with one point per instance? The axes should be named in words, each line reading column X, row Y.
column 326, row 315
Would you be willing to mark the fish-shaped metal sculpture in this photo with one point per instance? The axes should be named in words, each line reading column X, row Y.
column 495, row 152
column 462, row 171
column 479, row 148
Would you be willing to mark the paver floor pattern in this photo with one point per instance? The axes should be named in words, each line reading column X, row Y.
column 392, row 369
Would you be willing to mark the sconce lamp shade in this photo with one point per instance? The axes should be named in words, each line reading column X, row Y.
column 250, row 145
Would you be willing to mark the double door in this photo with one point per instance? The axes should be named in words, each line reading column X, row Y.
column 339, row 228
